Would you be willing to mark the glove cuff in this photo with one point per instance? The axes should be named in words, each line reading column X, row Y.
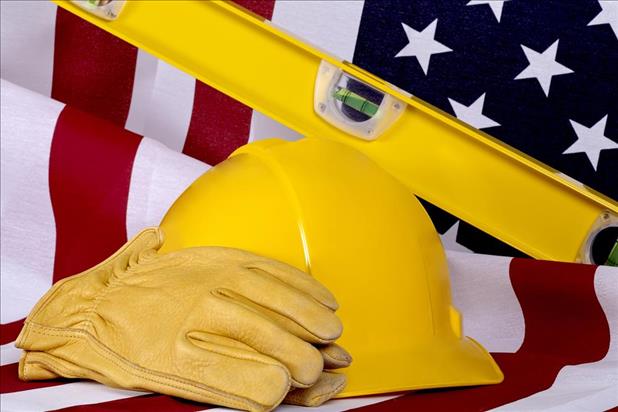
column 70, row 302
column 65, row 307
column 51, row 351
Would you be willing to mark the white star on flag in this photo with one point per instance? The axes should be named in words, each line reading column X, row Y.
column 607, row 15
column 449, row 240
column 496, row 6
column 543, row 66
column 473, row 114
column 421, row 44
column 591, row 140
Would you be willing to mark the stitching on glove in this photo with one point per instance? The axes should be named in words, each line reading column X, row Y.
column 26, row 332
column 59, row 285
column 53, row 365
column 110, row 355
column 52, row 292
column 125, row 365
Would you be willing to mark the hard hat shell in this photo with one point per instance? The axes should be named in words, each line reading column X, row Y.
column 329, row 210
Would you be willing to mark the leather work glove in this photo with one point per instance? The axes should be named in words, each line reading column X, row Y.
column 329, row 384
column 210, row 324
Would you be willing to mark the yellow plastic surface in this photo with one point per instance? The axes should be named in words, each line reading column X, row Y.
column 331, row 211
column 464, row 171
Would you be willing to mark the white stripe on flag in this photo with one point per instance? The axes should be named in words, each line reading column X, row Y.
column 62, row 396
column 590, row 386
column 143, row 82
column 335, row 405
column 9, row 354
column 27, row 44
column 263, row 127
column 28, row 232
column 483, row 293
column 331, row 25
column 159, row 176
column 168, row 113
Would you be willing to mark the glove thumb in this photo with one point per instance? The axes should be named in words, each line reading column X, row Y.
column 145, row 244
column 328, row 385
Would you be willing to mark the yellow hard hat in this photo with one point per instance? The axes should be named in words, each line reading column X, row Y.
column 329, row 210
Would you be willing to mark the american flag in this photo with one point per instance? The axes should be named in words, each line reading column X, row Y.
column 76, row 171
column 541, row 76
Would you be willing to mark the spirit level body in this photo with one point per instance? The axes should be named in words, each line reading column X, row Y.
column 462, row 170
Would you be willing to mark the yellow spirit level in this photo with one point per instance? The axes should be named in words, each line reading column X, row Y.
column 452, row 165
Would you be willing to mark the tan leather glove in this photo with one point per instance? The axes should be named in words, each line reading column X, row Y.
column 210, row 324
column 329, row 384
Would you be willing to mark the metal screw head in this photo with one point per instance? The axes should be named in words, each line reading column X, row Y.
column 397, row 106
column 322, row 107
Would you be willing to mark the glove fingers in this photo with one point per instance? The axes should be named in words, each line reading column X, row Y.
column 284, row 322
column 229, row 374
column 335, row 356
column 296, row 278
column 231, row 319
column 328, row 386
column 319, row 323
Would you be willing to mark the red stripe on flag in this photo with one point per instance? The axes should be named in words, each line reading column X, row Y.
column 150, row 403
column 9, row 382
column 565, row 325
column 9, row 331
column 89, row 175
column 93, row 70
column 263, row 8
column 220, row 124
